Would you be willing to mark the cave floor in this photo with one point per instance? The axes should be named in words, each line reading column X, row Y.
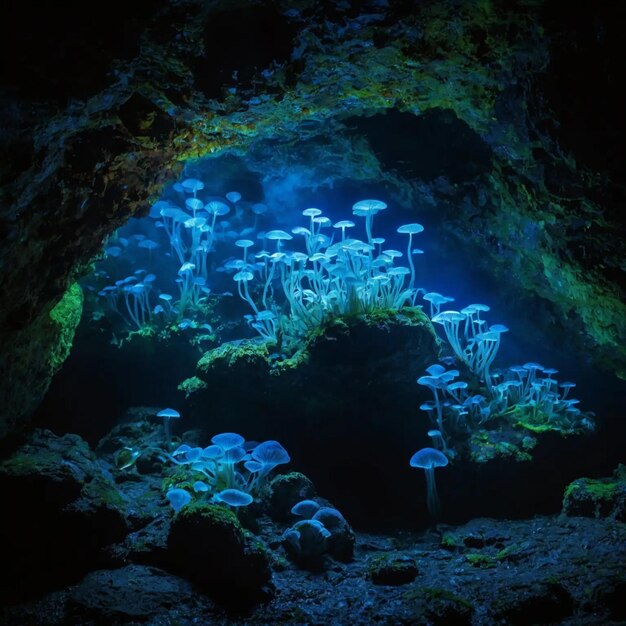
column 554, row 569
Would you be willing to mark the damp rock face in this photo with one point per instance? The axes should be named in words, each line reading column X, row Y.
column 597, row 497
column 38, row 355
column 60, row 511
column 208, row 546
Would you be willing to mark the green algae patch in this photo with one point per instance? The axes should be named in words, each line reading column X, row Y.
column 66, row 316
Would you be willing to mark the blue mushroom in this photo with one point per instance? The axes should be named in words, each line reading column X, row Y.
column 305, row 508
column 233, row 497
column 428, row 459
column 178, row 498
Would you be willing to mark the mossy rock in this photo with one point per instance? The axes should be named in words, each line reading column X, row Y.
column 392, row 570
column 208, row 545
column 597, row 497
column 234, row 354
column 39, row 351
column 438, row 605
column 69, row 510
column 285, row 491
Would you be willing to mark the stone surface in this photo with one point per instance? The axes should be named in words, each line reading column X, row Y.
column 208, row 545
column 61, row 510
column 597, row 497
column 558, row 570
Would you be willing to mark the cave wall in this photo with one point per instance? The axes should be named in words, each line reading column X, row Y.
column 86, row 145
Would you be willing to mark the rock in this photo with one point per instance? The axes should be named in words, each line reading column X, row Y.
column 597, row 497
column 38, row 351
column 611, row 597
column 444, row 607
column 285, row 491
column 139, row 428
column 392, row 569
column 542, row 602
column 134, row 593
column 336, row 388
column 342, row 539
column 208, row 545
column 69, row 510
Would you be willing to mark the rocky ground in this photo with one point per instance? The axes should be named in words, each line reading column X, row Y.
column 88, row 543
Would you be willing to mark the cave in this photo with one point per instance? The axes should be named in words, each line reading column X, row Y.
column 303, row 305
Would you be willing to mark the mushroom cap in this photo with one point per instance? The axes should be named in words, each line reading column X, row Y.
column 259, row 208
column 411, row 229
column 213, row 452
column 178, row 498
column 368, row 207
column 194, row 204
column 271, row 453
column 243, row 276
column 280, row 235
column 305, row 508
column 394, row 254
column 165, row 296
column 448, row 316
column 300, row 230
column 244, row 243
column 312, row 212
column 437, row 298
column 172, row 413
column 233, row 196
column 228, row 440
column 428, row 458
column 344, row 224
column 217, row 207
column 434, row 433
column 498, row 328
column 234, row 497
column 190, row 185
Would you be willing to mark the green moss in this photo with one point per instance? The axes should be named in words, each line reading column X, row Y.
column 192, row 385
column 233, row 353
column 212, row 516
column 597, row 489
column 438, row 593
column 103, row 492
column 182, row 478
column 451, row 541
column 509, row 553
column 22, row 465
column 482, row 561
column 65, row 316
